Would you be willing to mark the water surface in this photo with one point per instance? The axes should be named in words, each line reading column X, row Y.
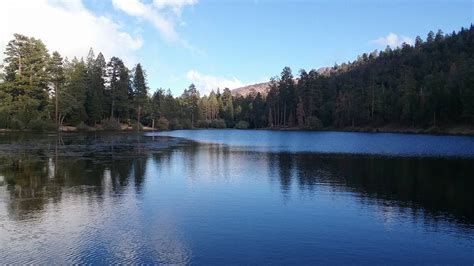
column 241, row 197
column 388, row 144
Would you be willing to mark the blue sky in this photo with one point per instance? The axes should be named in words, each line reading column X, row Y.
column 231, row 43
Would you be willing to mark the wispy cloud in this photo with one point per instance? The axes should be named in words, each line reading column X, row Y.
column 164, row 15
column 66, row 26
column 175, row 5
column 393, row 40
column 207, row 83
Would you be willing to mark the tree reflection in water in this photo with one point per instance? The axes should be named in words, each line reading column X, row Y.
column 102, row 178
column 37, row 171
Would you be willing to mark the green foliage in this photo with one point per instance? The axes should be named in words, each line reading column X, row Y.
column 428, row 85
column 73, row 98
column 83, row 127
column 140, row 90
column 313, row 123
column 41, row 125
column 120, row 91
column 162, row 124
column 218, row 123
column 95, row 91
column 26, row 65
column 242, row 125
column 17, row 124
column 186, row 123
column 110, row 124
column 190, row 98
column 203, row 123
column 174, row 124
column 137, row 126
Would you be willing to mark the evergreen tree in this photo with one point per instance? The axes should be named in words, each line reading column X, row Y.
column 119, row 89
column 213, row 106
column 96, row 68
column 190, row 98
column 140, row 89
column 57, row 78
column 287, row 95
column 26, row 64
column 73, row 98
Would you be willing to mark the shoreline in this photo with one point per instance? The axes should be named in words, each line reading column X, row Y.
column 441, row 131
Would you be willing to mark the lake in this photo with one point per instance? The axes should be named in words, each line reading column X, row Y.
column 236, row 197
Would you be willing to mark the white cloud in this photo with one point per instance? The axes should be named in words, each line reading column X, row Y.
column 393, row 40
column 65, row 26
column 135, row 8
column 207, row 83
column 158, row 14
column 175, row 5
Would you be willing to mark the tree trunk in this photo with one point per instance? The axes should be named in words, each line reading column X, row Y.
column 270, row 122
column 61, row 120
column 277, row 117
column 112, row 109
column 373, row 103
column 138, row 117
column 56, row 112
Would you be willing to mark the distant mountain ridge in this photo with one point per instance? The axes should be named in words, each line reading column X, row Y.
column 264, row 87
column 252, row 89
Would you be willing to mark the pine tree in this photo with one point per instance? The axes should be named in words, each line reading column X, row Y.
column 213, row 106
column 300, row 115
column 288, row 94
column 140, row 89
column 119, row 88
column 72, row 104
column 26, row 64
column 190, row 98
column 57, row 79
column 96, row 68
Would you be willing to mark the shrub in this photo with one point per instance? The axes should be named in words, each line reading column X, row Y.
column 313, row 123
column 242, row 125
column 229, row 124
column 432, row 130
column 83, row 127
column 162, row 124
column 174, row 124
column 41, row 125
column 4, row 117
column 218, row 123
column 203, row 123
column 110, row 124
column 186, row 123
column 17, row 124
column 137, row 126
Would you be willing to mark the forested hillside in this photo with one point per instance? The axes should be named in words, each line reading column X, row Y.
column 428, row 85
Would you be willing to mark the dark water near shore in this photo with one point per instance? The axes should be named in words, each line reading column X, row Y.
column 240, row 197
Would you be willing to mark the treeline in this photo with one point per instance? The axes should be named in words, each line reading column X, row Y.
column 429, row 84
column 425, row 85
column 43, row 91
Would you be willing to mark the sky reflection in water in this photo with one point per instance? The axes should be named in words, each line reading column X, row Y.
column 156, row 199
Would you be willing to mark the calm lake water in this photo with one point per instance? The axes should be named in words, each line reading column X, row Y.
column 236, row 197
